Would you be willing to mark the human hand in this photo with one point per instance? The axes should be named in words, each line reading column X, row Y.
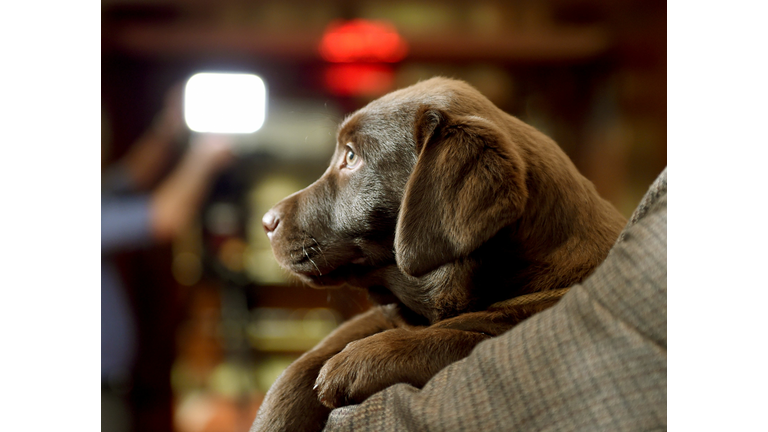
column 211, row 152
column 169, row 123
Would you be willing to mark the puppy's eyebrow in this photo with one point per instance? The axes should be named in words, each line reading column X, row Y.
column 347, row 128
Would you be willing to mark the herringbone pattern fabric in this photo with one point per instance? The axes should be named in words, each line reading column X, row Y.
column 596, row 361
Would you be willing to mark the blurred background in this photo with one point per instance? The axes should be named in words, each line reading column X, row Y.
column 216, row 318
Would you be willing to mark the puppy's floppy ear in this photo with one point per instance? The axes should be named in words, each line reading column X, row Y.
column 468, row 183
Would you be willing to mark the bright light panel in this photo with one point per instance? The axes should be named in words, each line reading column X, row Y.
column 225, row 102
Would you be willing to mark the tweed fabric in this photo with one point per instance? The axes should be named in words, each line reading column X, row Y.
column 596, row 361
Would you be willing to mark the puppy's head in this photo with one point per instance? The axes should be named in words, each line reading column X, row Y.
column 419, row 179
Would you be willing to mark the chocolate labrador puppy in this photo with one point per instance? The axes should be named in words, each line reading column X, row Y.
column 441, row 206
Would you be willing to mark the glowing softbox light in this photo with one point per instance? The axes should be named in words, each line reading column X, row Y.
column 225, row 102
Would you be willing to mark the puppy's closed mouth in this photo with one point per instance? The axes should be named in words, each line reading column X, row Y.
column 319, row 269
column 329, row 278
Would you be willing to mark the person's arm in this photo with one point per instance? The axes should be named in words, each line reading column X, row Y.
column 177, row 199
column 594, row 361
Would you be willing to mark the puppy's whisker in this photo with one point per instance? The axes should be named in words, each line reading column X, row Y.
column 310, row 260
column 316, row 267
column 319, row 249
column 320, row 252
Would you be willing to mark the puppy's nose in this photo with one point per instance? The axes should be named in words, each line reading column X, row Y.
column 270, row 221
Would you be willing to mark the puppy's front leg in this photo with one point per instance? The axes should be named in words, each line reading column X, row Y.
column 412, row 356
column 291, row 404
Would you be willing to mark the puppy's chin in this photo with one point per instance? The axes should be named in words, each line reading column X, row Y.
column 319, row 282
column 343, row 275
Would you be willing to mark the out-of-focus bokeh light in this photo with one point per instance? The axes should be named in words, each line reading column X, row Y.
column 232, row 254
column 225, row 102
column 362, row 41
column 358, row 79
column 187, row 268
column 360, row 52
column 281, row 330
column 222, row 219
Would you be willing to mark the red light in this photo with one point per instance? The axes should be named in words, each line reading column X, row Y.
column 358, row 79
column 362, row 41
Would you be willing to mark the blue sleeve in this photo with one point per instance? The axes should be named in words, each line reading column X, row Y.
column 125, row 223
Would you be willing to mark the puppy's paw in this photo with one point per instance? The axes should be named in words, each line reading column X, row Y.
column 341, row 380
column 363, row 368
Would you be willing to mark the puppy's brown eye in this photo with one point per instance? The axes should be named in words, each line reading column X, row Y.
column 351, row 159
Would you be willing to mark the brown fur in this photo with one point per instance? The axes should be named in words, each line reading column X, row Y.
column 453, row 206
